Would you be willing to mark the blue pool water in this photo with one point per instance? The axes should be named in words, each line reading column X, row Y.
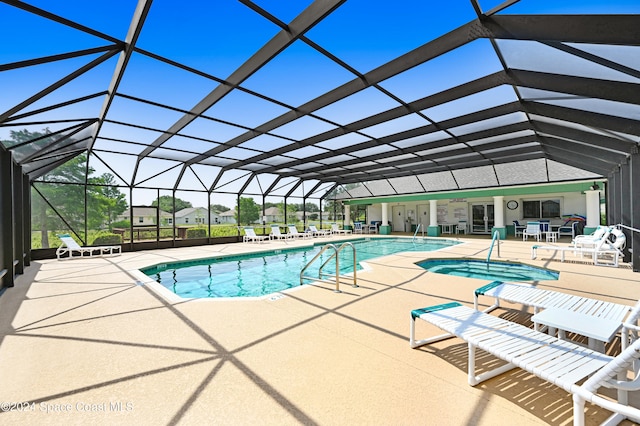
column 259, row 274
column 495, row 271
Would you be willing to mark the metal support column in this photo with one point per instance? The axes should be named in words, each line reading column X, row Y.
column 614, row 194
column 634, row 212
column 26, row 215
column 6, row 220
column 18, row 220
column 625, row 206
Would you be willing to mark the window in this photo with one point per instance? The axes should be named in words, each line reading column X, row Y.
column 186, row 220
column 141, row 219
column 541, row 209
column 169, row 220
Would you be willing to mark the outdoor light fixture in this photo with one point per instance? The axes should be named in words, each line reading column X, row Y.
column 594, row 187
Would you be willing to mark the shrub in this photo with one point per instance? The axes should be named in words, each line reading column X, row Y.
column 224, row 231
column 121, row 224
column 104, row 238
column 197, row 233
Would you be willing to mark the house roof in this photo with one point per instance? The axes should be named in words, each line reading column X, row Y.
column 146, row 211
column 329, row 97
column 272, row 211
column 191, row 210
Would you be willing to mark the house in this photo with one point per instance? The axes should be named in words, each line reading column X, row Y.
column 273, row 215
column 146, row 216
column 192, row 216
column 227, row 217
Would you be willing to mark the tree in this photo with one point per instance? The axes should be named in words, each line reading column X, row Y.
column 332, row 205
column 166, row 203
column 59, row 202
column 63, row 190
column 108, row 198
column 311, row 207
column 218, row 208
column 247, row 212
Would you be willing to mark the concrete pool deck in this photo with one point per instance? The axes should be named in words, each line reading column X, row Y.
column 86, row 342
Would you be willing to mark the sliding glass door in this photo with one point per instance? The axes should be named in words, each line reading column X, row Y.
column 482, row 218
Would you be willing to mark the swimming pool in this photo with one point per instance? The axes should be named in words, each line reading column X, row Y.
column 495, row 271
column 260, row 274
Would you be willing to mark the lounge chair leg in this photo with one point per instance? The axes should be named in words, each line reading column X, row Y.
column 578, row 410
column 417, row 343
column 473, row 379
column 471, row 369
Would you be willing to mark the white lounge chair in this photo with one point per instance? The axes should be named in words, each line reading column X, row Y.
column 277, row 235
column 606, row 253
column 592, row 239
column 250, row 236
column 319, row 232
column 293, row 231
column 70, row 246
column 565, row 364
column 540, row 299
column 336, row 230
column 532, row 230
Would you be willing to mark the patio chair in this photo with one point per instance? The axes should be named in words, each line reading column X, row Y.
column 357, row 228
column 250, row 235
column 293, row 231
column 277, row 235
column 336, row 230
column 562, row 363
column 570, row 228
column 532, row 230
column 517, row 228
column 319, row 232
column 70, row 246
column 461, row 227
column 374, row 227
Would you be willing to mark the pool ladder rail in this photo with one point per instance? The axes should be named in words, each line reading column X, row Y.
column 496, row 237
column 336, row 279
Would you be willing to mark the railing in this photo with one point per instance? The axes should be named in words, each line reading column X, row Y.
column 336, row 251
column 496, row 237
column 627, row 227
column 630, row 229
column 416, row 233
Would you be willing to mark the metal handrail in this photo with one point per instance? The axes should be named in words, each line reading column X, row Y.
column 496, row 236
column 336, row 250
column 628, row 227
column 416, row 233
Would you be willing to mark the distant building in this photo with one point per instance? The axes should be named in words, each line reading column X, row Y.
column 273, row 215
column 192, row 216
column 146, row 216
column 227, row 217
